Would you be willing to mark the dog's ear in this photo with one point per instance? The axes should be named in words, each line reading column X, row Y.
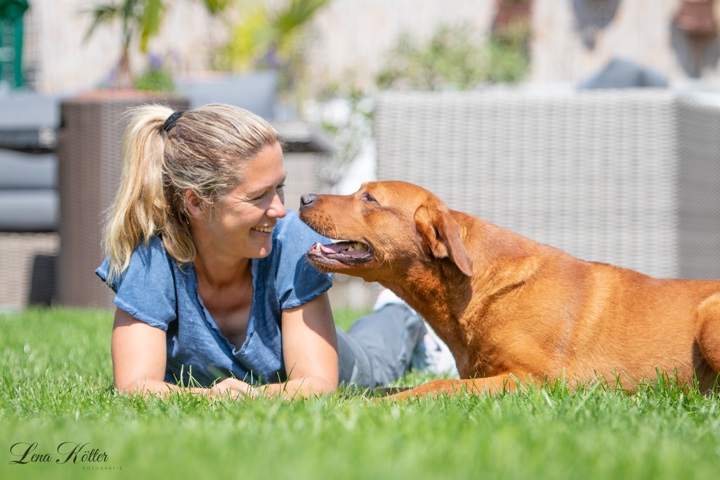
column 442, row 234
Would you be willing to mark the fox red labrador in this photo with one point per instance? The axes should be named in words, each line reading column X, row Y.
column 513, row 310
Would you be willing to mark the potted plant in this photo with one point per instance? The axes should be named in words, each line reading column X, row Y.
column 140, row 20
column 268, row 41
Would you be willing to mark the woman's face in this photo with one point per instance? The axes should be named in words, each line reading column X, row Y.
column 241, row 224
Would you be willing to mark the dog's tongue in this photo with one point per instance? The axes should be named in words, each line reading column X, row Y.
column 333, row 255
column 332, row 248
column 340, row 248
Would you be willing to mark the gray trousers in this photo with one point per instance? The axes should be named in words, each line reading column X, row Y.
column 378, row 348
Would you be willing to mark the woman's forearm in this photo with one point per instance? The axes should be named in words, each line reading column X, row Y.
column 292, row 389
column 296, row 388
column 157, row 387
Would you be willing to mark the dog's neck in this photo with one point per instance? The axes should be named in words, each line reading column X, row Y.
column 431, row 297
column 450, row 300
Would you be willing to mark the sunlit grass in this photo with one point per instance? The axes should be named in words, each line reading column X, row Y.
column 56, row 386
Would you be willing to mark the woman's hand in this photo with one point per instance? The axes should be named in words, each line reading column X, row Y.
column 234, row 388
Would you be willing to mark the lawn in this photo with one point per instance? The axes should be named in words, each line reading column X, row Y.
column 56, row 394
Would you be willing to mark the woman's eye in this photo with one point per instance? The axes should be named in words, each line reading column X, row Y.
column 269, row 193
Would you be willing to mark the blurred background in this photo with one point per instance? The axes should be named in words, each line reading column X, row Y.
column 590, row 125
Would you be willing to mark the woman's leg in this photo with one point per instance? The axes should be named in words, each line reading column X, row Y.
column 378, row 348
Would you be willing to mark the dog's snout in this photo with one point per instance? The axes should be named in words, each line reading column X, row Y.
column 307, row 199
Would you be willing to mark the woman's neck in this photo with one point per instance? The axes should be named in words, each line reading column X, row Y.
column 219, row 271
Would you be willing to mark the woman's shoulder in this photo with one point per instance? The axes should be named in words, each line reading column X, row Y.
column 146, row 289
column 153, row 245
column 148, row 256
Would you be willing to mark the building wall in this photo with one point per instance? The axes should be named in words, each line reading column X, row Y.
column 641, row 30
column 353, row 37
column 350, row 39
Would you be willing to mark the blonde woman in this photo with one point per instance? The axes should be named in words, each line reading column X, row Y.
column 213, row 290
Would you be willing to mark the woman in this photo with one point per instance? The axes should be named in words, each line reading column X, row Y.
column 213, row 290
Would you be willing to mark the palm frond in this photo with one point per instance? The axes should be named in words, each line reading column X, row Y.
column 216, row 6
column 150, row 21
column 101, row 15
column 296, row 14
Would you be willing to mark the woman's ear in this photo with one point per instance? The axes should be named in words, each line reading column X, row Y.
column 194, row 205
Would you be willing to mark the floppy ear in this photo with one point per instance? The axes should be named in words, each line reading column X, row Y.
column 442, row 234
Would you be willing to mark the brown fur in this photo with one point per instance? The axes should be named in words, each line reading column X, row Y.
column 513, row 309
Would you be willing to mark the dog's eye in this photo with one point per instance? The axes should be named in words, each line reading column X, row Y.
column 368, row 198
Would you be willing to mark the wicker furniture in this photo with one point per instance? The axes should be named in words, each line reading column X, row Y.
column 629, row 177
column 28, row 199
column 89, row 153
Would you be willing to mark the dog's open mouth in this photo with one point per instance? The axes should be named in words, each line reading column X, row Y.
column 340, row 251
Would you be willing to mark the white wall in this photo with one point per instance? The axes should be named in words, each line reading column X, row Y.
column 351, row 38
column 641, row 31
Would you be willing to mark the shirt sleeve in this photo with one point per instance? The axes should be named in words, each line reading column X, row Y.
column 146, row 289
column 297, row 281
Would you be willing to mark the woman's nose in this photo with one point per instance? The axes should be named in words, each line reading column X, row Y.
column 277, row 207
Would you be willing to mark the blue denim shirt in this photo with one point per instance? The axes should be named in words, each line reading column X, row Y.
column 155, row 290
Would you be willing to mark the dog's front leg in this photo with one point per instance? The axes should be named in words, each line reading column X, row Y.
column 476, row 386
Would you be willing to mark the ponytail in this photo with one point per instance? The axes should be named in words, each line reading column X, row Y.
column 140, row 209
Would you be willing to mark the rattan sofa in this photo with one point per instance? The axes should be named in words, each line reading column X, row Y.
column 629, row 177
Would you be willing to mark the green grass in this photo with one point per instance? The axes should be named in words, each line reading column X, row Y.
column 55, row 387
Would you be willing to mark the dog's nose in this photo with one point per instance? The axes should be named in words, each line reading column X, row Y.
column 307, row 199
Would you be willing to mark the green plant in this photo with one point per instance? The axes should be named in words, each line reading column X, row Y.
column 157, row 77
column 455, row 58
column 139, row 21
column 271, row 38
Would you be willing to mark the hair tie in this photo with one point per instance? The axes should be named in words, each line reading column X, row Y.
column 172, row 120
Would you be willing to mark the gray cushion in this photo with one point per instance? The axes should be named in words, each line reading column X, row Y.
column 255, row 92
column 27, row 171
column 29, row 210
column 28, row 110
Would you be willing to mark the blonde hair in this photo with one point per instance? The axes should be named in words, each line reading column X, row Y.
column 204, row 151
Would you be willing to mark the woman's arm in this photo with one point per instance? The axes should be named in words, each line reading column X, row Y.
column 139, row 356
column 309, row 351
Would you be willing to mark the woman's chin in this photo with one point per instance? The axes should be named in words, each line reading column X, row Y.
column 261, row 251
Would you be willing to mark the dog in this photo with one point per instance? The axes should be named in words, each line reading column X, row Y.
column 512, row 310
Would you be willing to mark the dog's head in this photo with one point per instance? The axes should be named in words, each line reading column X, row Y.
column 383, row 226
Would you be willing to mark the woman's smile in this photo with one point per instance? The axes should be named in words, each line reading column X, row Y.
column 268, row 229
